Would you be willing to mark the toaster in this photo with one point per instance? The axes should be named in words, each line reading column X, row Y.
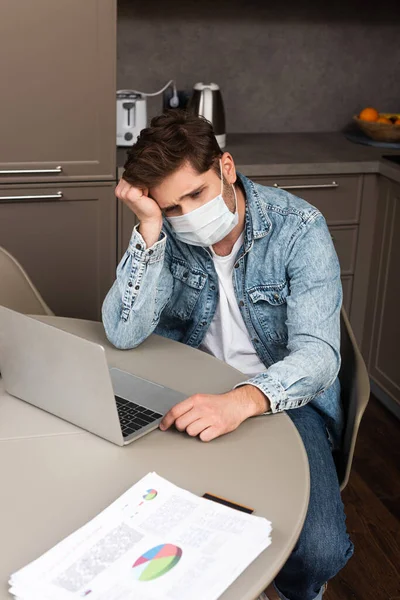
column 131, row 116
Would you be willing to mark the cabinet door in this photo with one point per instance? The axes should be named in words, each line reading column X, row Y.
column 126, row 222
column 65, row 238
column 338, row 197
column 345, row 242
column 339, row 200
column 347, row 287
column 57, row 67
column 348, row 203
column 384, row 295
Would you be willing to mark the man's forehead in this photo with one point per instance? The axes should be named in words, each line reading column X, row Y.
column 177, row 186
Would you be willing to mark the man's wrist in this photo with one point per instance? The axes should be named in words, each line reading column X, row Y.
column 150, row 231
column 253, row 400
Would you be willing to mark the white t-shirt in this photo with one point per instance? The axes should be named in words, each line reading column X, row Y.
column 227, row 337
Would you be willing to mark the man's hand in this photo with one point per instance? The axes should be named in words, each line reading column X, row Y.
column 212, row 415
column 146, row 209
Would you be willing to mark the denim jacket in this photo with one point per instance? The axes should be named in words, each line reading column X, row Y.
column 287, row 283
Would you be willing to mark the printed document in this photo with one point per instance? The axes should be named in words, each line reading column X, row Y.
column 156, row 541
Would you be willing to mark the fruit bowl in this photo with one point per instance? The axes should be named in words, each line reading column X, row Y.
column 382, row 132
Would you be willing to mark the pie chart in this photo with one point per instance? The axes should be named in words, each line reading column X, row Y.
column 156, row 562
column 150, row 494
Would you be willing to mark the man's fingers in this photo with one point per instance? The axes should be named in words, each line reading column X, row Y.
column 209, row 434
column 176, row 411
column 125, row 189
column 122, row 189
column 182, row 422
column 197, row 427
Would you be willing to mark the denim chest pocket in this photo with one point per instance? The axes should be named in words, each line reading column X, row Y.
column 188, row 282
column 269, row 304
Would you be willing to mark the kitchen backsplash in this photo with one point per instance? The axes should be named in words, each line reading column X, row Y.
column 281, row 66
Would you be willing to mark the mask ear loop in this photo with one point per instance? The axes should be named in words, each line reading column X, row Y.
column 234, row 193
column 232, row 184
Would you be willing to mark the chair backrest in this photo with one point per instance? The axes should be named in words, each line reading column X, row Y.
column 17, row 290
column 355, row 392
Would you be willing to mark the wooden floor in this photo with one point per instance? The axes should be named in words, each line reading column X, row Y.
column 372, row 503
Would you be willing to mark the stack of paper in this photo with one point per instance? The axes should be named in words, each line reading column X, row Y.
column 157, row 541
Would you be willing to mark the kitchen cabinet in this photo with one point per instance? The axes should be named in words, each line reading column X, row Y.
column 58, row 73
column 338, row 197
column 347, row 286
column 126, row 222
column 381, row 345
column 65, row 238
column 57, row 151
column 348, row 203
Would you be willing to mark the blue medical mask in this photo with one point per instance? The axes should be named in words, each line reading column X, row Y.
column 207, row 224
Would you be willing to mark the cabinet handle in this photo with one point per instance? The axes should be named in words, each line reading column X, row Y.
column 57, row 196
column 30, row 171
column 307, row 186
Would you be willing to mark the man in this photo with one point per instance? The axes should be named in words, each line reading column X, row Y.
column 249, row 274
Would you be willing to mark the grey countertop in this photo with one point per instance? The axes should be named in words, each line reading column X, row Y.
column 284, row 154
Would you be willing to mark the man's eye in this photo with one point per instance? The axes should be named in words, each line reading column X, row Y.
column 169, row 211
column 195, row 194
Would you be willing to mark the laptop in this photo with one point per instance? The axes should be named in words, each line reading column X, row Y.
column 69, row 377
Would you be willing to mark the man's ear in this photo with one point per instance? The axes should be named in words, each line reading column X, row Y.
column 229, row 169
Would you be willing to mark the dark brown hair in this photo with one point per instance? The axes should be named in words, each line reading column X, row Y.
column 173, row 138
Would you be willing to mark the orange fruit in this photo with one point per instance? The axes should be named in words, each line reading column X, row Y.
column 369, row 114
column 397, row 122
column 384, row 120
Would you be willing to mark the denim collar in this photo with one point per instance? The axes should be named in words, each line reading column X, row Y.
column 257, row 221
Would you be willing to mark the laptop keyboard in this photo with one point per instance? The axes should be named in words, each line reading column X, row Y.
column 133, row 416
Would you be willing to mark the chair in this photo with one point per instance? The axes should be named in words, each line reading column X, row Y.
column 17, row 290
column 355, row 393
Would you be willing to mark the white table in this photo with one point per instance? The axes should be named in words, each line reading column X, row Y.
column 55, row 476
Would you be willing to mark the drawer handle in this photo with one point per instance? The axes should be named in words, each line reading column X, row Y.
column 307, row 186
column 30, row 171
column 57, row 196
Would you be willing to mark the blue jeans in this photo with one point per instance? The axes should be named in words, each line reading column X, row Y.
column 324, row 546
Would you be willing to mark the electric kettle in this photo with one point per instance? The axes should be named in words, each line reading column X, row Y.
column 206, row 101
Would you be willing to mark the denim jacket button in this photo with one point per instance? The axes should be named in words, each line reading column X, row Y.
column 138, row 246
column 276, row 296
column 130, row 284
column 237, row 266
column 241, row 303
column 151, row 252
